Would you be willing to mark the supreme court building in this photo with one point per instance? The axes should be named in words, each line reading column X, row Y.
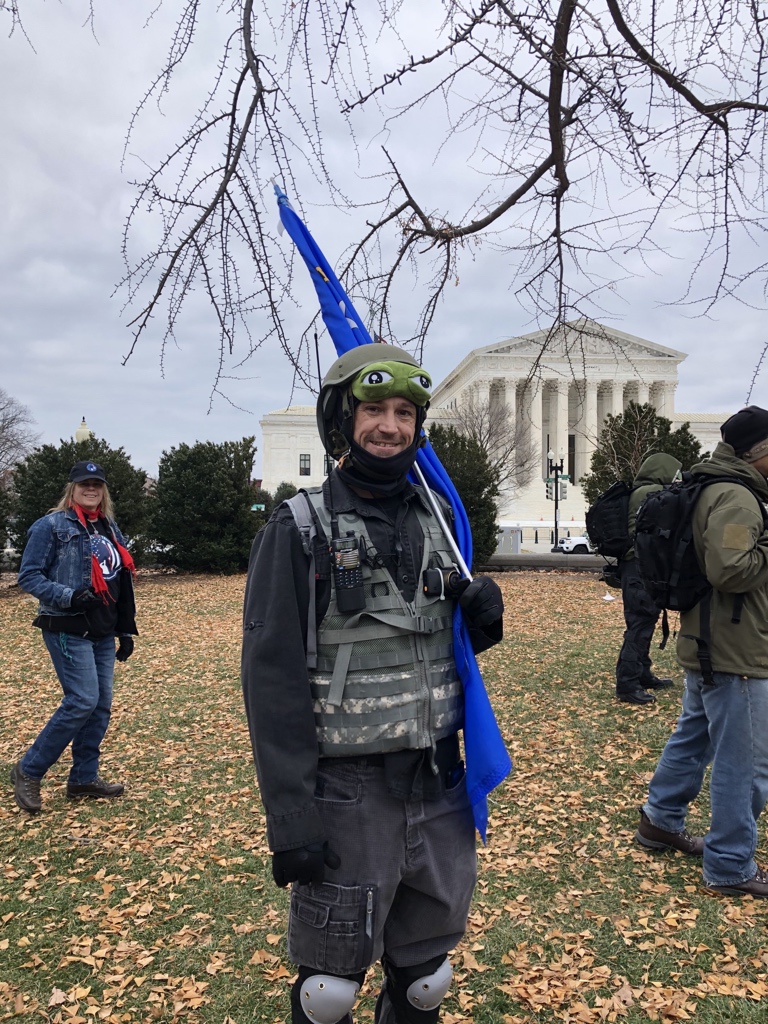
column 557, row 391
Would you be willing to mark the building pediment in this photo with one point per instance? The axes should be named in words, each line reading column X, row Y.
column 581, row 349
column 579, row 340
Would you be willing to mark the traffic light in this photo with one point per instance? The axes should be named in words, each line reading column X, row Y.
column 563, row 490
column 550, row 491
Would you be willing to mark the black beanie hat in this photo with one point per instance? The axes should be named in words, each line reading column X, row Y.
column 745, row 429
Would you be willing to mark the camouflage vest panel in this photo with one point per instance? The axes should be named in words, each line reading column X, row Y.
column 386, row 676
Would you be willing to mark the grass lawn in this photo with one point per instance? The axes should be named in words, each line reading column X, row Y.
column 160, row 906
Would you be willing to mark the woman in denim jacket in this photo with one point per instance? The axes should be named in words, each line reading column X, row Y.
column 76, row 565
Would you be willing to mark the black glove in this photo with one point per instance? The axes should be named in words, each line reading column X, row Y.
column 305, row 865
column 125, row 648
column 84, row 598
column 482, row 601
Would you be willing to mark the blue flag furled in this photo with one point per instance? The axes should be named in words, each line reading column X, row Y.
column 488, row 762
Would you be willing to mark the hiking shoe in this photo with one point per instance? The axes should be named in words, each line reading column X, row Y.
column 756, row 886
column 654, row 683
column 96, row 788
column 26, row 790
column 636, row 696
column 656, row 838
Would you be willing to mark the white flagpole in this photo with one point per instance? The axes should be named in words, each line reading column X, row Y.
column 441, row 519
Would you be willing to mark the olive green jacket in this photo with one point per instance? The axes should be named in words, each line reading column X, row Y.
column 655, row 471
column 732, row 549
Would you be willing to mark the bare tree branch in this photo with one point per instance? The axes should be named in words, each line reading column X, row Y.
column 506, row 442
column 17, row 438
column 571, row 139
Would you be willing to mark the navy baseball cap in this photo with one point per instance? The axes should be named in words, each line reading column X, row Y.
column 86, row 471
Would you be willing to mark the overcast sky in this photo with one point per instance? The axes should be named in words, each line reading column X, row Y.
column 66, row 107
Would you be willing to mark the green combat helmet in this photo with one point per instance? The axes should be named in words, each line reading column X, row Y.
column 367, row 373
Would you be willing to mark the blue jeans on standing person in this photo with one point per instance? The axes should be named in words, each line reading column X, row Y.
column 725, row 723
column 85, row 668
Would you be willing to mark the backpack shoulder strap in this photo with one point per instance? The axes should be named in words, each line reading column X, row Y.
column 307, row 524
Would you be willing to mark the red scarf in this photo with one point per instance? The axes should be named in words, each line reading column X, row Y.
column 97, row 576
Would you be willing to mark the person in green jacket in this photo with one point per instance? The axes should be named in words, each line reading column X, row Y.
column 634, row 674
column 723, row 722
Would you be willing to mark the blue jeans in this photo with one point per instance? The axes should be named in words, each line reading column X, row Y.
column 85, row 669
column 725, row 723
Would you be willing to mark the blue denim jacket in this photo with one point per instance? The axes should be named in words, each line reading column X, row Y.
column 57, row 560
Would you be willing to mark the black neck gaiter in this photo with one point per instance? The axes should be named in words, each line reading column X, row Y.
column 382, row 477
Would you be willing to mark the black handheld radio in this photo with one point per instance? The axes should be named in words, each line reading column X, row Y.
column 347, row 572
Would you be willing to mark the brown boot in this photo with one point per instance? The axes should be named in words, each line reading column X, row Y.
column 26, row 790
column 655, row 838
column 96, row 788
column 756, row 886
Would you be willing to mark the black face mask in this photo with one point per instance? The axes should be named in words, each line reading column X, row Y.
column 382, row 477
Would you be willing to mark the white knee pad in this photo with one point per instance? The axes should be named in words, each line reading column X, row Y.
column 325, row 999
column 428, row 992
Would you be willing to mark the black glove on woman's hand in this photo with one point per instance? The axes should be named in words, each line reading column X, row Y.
column 125, row 648
column 482, row 601
column 305, row 865
column 83, row 598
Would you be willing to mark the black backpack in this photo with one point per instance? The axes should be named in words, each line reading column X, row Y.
column 606, row 520
column 666, row 556
column 664, row 551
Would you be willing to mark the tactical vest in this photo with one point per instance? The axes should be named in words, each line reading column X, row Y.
column 383, row 678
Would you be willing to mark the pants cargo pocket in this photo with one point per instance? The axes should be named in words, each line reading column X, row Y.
column 331, row 928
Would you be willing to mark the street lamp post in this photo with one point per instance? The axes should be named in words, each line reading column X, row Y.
column 555, row 471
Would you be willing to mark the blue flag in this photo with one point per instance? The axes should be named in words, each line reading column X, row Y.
column 488, row 762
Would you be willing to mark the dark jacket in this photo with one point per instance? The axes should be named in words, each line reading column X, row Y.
column 732, row 549
column 275, row 681
column 655, row 471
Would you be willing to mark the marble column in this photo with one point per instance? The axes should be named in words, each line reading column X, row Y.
column 531, row 421
column 558, row 418
column 663, row 392
column 586, row 427
column 510, row 399
column 643, row 393
column 482, row 393
column 616, row 398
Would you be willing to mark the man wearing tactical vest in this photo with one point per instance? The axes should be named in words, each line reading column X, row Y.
column 354, row 706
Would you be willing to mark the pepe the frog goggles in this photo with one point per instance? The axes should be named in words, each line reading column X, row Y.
column 389, row 379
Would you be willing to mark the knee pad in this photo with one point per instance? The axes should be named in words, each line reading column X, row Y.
column 326, row 998
column 416, row 992
column 428, row 991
